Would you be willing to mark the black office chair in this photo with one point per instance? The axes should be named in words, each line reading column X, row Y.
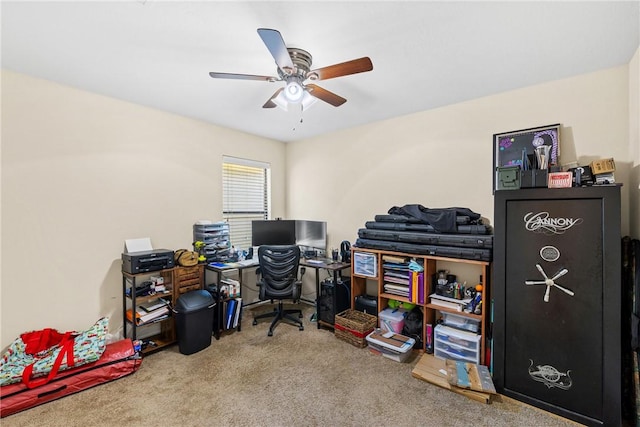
column 278, row 280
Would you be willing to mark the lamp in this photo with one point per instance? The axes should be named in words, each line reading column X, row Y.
column 281, row 101
column 308, row 100
column 293, row 91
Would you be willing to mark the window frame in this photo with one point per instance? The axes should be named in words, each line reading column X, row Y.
column 245, row 183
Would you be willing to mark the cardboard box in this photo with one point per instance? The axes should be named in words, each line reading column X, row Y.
column 560, row 180
column 434, row 370
column 603, row 166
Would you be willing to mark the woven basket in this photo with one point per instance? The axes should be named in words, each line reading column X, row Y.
column 353, row 326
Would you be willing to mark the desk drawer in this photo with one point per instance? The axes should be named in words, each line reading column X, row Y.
column 188, row 278
column 181, row 272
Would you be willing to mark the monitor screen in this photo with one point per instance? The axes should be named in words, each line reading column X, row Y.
column 311, row 234
column 273, row 232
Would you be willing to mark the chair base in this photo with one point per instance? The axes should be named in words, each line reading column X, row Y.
column 278, row 314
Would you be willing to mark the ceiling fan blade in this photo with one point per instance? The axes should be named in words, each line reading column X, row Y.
column 325, row 95
column 275, row 43
column 242, row 77
column 270, row 103
column 355, row 66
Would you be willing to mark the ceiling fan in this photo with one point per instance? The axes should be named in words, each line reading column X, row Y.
column 294, row 68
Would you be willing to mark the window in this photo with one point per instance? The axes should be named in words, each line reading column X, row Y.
column 245, row 197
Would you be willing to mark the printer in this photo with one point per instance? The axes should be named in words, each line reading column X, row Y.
column 145, row 261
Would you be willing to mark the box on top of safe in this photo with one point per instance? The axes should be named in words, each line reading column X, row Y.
column 603, row 166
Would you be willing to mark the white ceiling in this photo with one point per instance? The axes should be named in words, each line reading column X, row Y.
column 425, row 54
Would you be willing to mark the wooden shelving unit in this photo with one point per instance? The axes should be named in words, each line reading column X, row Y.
column 431, row 264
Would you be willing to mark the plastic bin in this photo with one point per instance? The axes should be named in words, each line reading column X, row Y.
column 460, row 322
column 392, row 320
column 451, row 343
column 391, row 345
column 194, row 321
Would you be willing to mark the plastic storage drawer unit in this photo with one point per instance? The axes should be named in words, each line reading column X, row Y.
column 451, row 343
column 194, row 321
column 460, row 322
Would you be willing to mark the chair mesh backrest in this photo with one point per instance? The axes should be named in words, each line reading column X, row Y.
column 279, row 267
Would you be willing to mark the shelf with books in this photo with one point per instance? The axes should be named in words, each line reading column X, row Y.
column 228, row 313
column 408, row 278
column 151, row 312
column 150, row 296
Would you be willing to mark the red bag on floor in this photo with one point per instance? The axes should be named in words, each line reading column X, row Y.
column 118, row 360
column 44, row 353
column 39, row 341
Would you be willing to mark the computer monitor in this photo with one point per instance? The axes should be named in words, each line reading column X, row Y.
column 311, row 234
column 273, row 232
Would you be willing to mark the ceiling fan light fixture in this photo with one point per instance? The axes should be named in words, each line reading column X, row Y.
column 308, row 100
column 293, row 91
column 281, row 101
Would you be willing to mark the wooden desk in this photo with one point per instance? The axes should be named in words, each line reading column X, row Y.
column 322, row 263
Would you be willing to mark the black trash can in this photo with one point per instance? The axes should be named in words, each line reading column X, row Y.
column 194, row 321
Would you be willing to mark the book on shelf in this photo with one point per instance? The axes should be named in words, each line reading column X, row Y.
column 399, row 280
column 405, row 274
column 232, row 313
column 394, row 289
column 451, row 303
column 447, row 304
column 237, row 313
column 396, row 268
column 141, row 316
column 395, row 286
column 416, row 287
column 395, row 259
column 463, row 301
column 229, row 314
column 154, row 305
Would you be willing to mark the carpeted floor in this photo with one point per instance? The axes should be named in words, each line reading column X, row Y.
column 295, row 378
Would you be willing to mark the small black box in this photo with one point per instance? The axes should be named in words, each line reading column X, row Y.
column 534, row 178
column 367, row 304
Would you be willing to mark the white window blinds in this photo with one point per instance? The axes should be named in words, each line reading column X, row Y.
column 245, row 197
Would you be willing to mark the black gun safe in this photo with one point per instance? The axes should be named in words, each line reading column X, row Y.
column 557, row 300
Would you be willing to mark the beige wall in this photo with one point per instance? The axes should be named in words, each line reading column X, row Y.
column 80, row 174
column 443, row 158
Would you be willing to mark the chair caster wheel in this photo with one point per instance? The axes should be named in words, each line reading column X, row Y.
column 301, row 328
column 255, row 322
column 300, row 315
column 270, row 334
